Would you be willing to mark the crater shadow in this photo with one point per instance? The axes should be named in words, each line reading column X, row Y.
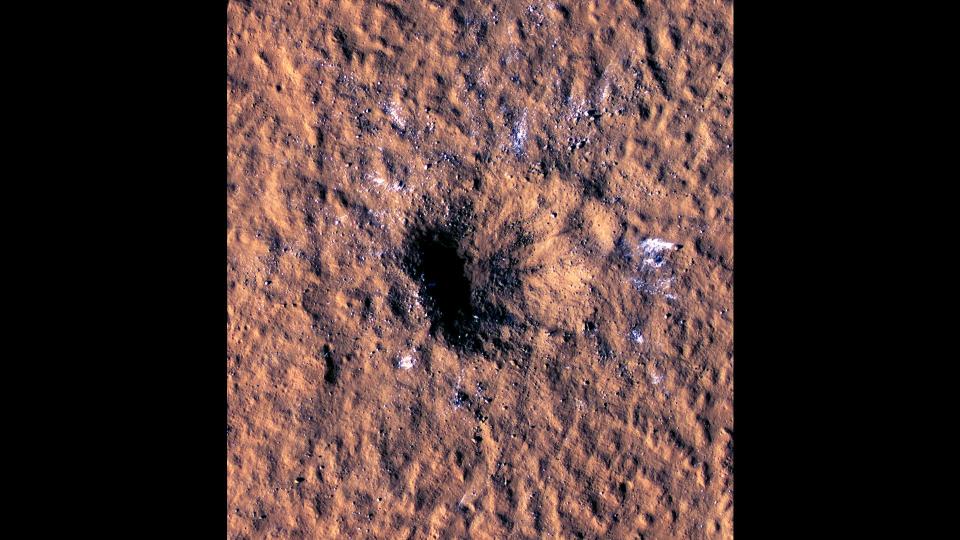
column 434, row 260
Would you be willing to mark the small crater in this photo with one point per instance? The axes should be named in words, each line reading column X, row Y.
column 332, row 370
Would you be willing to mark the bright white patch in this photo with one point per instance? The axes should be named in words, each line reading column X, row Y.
column 652, row 287
column 653, row 249
column 466, row 500
column 406, row 362
column 636, row 336
column 519, row 135
column 394, row 113
column 652, row 277
column 656, row 378
column 655, row 244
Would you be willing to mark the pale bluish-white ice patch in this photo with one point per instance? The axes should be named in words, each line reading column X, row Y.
column 396, row 119
column 652, row 277
column 653, row 249
column 519, row 135
column 406, row 362
column 381, row 182
column 653, row 286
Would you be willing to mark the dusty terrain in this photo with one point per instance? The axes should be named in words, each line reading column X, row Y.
column 480, row 269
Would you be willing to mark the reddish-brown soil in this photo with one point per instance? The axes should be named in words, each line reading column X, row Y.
column 480, row 269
